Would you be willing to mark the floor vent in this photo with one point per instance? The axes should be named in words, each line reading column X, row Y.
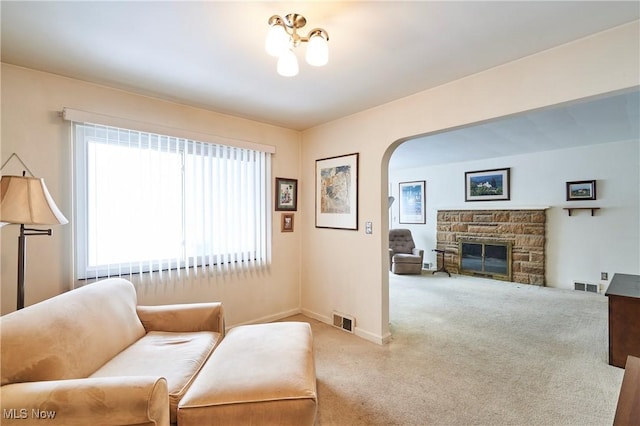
column 345, row 322
column 590, row 288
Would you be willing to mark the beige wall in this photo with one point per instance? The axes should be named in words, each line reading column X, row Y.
column 346, row 271
column 32, row 128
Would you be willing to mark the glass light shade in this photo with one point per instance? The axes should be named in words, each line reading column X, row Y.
column 277, row 41
column 27, row 201
column 317, row 51
column 288, row 64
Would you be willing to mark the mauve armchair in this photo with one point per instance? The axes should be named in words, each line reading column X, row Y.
column 404, row 257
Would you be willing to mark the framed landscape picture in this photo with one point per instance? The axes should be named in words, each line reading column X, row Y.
column 286, row 194
column 581, row 190
column 487, row 185
column 412, row 202
column 337, row 192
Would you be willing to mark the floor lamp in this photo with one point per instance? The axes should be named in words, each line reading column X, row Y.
column 26, row 201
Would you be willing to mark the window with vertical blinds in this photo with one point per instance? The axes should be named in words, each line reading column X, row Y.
column 154, row 204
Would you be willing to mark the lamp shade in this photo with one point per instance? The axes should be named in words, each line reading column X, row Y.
column 317, row 51
column 277, row 41
column 288, row 64
column 391, row 200
column 26, row 200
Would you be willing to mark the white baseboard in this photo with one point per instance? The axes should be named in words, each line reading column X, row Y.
column 366, row 335
column 268, row 318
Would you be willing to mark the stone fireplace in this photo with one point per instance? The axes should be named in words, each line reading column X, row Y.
column 501, row 244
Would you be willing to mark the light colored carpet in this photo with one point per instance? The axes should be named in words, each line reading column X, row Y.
column 471, row 351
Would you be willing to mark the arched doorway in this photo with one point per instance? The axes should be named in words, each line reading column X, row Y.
column 519, row 141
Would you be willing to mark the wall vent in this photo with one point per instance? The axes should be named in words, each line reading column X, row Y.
column 344, row 322
column 588, row 287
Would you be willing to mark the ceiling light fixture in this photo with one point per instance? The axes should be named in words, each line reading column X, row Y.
column 283, row 38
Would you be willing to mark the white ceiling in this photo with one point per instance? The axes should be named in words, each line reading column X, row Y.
column 210, row 54
column 613, row 118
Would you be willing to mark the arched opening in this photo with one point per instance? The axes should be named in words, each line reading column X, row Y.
column 545, row 150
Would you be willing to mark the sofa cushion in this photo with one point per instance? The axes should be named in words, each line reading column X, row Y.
column 406, row 258
column 262, row 374
column 178, row 357
column 71, row 335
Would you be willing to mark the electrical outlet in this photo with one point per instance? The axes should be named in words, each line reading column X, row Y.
column 604, row 276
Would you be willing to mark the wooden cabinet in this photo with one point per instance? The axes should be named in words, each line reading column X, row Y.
column 624, row 318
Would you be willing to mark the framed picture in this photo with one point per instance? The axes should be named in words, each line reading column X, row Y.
column 487, row 185
column 581, row 190
column 286, row 222
column 337, row 192
column 412, row 202
column 286, row 194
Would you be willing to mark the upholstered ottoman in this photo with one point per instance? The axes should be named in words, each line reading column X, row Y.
column 259, row 374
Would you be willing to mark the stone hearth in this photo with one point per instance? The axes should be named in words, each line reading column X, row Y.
column 524, row 229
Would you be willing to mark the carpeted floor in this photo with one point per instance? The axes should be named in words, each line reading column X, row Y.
column 471, row 351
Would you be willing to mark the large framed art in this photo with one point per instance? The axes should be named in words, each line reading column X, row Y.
column 487, row 185
column 412, row 202
column 337, row 192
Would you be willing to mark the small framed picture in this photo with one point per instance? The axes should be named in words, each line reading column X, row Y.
column 487, row 185
column 412, row 202
column 286, row 224
column 286, row 194
column 581, row 190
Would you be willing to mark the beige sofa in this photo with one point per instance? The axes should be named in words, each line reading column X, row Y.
column 92, row 356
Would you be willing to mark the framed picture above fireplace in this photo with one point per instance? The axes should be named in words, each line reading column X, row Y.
column 487, row 185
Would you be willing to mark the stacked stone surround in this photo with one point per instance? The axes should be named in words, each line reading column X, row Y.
column 524, row 229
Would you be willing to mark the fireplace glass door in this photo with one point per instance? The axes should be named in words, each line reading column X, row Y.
column 485, row 258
